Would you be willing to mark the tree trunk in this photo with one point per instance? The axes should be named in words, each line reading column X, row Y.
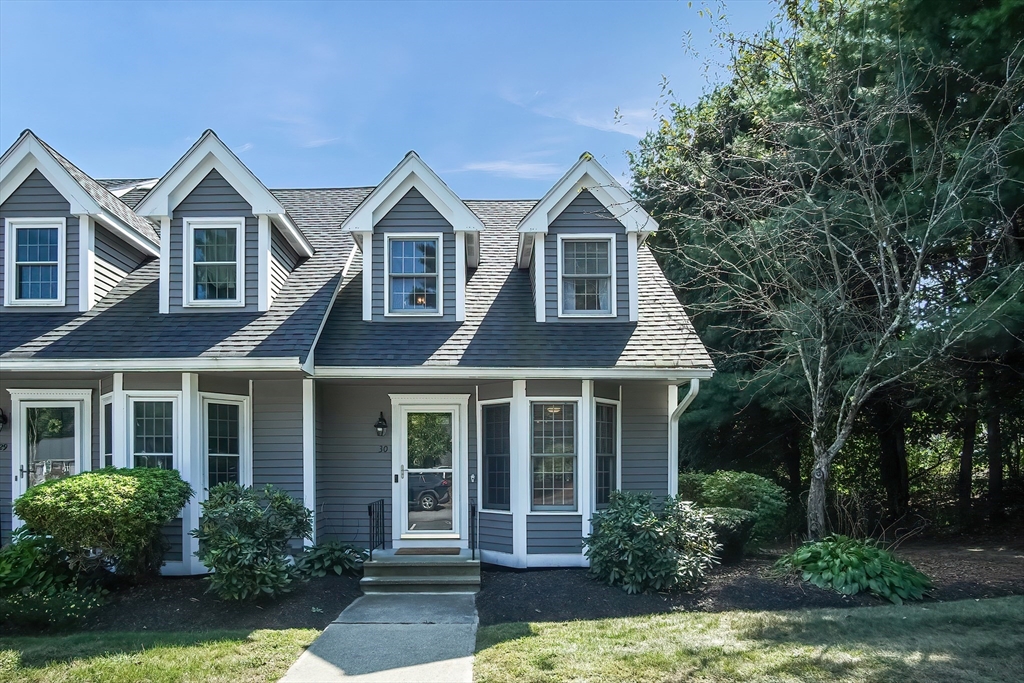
column 994, row 450
column 892, row 458
column 817, row 521
column 970, row 429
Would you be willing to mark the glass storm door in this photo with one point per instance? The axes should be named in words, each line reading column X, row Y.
column 430, row 492
column 51, row 442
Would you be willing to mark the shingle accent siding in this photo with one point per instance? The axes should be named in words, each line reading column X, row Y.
column 214, row 197
column 277, row 434
column 586, row 215
column 37, row 198
column 413, row 213
column 496, row 532
column 645, row 438
column 549, row 534
column 283, row 260
column 115, row 258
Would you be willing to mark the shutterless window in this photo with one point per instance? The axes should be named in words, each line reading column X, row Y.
column 37, row 263
column 497, row 457
column 108, row 433
column 153, row 434
column 215, row 263
column 223, row 444
column 606, row 446
column 586, row 276
column 553, row 456
column 413, row 274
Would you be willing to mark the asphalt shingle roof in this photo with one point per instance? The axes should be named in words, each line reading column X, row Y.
column 499, row 330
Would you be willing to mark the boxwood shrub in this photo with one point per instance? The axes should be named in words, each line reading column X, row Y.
column 112, row 516
column 748, row 491
column 851, row 565
column 732, row 527
column 642, row 549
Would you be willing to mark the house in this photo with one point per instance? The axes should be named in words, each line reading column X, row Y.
column 489, row 370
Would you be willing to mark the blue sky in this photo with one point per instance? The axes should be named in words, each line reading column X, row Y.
column 500, row 99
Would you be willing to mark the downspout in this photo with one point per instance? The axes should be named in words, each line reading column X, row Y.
column 687, row 400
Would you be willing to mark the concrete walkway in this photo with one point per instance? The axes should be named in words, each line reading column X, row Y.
column 411, row 637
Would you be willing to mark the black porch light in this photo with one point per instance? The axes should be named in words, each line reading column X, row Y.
column 381, row 425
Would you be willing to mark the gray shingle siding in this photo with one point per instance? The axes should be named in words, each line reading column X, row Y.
column 283, row 261
column 173, row 535
column 37, row 198
column 115, row 258
column 586, row 215
column 645, row 438
column 496, row 532
column 549, row 534
column 413, row 213
column 277, row 434
column 214, row 197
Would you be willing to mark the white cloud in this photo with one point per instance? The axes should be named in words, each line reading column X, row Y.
column 627, row 121
column 516, row 169
column 319, row 142
column 244, row 148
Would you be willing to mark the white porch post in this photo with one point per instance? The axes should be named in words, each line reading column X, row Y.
column 191, row 468
column 519, row 442
column 585, row 457
column 119, row 433
column 309, row 451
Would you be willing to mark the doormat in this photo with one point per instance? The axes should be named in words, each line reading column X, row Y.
column 427, row 551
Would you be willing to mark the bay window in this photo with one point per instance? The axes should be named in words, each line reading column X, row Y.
column 553, row 455
column 497, row 457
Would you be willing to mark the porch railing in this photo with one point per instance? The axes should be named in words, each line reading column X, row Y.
column 376, row 510
column 472, row 529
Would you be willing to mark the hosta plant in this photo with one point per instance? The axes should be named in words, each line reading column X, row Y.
column 331, row 557
column 851, row 566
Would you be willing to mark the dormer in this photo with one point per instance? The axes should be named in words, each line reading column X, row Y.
column 580, row 243
column 418, row 241
column 226, row 242
column 65, row 240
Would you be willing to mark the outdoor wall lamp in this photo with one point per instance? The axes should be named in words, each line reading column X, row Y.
column 381, row 425
column 3, row 419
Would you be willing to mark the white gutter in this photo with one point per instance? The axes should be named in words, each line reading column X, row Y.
column 687, row 400
column 151, row 365
column 675, row 375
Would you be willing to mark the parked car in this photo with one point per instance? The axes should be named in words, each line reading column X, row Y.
column 429, row 490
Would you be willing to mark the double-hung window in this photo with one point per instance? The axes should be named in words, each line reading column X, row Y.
column 586, row 279
column 414, row 275
column 153, row 433
column 606, row 450
column 497, row 454
column 214, row 262
column 225, row 440
column 35, row 250
column 553, row 455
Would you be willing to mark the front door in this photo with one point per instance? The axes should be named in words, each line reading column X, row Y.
column 430, row 489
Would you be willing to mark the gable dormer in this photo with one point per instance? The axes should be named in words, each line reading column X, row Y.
column 65, row 241
column 580, row 243
column 226, row 242
column 418, row 241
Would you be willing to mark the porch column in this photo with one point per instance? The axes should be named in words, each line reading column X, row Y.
column 519, row 442
column 191, row 468
column 309, row 451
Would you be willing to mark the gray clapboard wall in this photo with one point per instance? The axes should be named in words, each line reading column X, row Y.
column 173, row 533
column 548, row 534
column 283, row 260
column 645, row 438
column 413, row 214
column 496, row 532
column 37, row 198
column 115, row 258
column 277, row 434
column 586, row 215
column 214, row 197
column 353, row 466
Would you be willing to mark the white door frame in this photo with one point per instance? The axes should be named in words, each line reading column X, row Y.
column 401, row 405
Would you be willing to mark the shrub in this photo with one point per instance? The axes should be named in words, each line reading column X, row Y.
column 331, row 556
column 639, row 549
column 691, row 486
column 118, row 512
column 732, row 527
column 850, row 566
column 38, row 587
column 748, row 491
column 244, row 537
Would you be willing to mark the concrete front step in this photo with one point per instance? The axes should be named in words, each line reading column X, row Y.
column 391, row 573
column 420, row 584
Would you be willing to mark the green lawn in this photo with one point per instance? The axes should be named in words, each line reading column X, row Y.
column 229, row 656
column 976, row 641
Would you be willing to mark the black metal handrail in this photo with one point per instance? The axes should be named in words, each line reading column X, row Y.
column 472, row 529
column 376, row 510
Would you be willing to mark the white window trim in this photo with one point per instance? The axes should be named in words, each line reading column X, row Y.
column 10, row 276
column 189, row 226
column 617, row 403
column 107, row 400
column 21, row 400
column 439, row 236
column 480, row 405
column 579, row 455
column 131, row 398
column 244, row 437
column 612, row 294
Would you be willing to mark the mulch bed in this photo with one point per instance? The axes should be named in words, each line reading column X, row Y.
column 959, row 569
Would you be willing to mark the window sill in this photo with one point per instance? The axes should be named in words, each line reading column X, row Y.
column 35, row 303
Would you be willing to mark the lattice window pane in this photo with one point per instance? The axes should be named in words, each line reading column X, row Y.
column 554, row 481
column 413, row 293
column 585, row 258
column 37, row 245
column 586, row 276
column 214, row 245
column 153, row 439
column 554, row 455
column 413, row 257
column 497, row 457
column 215, row 282
column 223, row 468
column 554, row 428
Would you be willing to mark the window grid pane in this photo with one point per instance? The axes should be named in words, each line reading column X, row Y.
column 605, row 447
column 413, row 293
column 554, row 455
column 413, row 257
column 586, row 276
column 215, row 267
column 222, row 428
column 214, row 245
column 223, row 468
column 497, row 457
column 413, row 271
column 153, row 436
column 554, row 428
column 554, row 481
column 215, row 282
column 585, row 258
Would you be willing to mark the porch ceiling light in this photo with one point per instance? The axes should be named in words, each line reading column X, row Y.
column 381, row 425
